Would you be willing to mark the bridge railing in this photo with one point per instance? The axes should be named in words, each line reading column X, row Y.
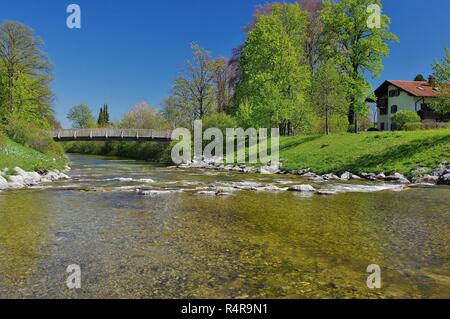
column 113, row 133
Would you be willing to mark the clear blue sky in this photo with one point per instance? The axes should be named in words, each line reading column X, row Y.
column 129, row 51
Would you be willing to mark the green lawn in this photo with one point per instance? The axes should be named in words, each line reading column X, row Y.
column 13, row 155
column 366, row 152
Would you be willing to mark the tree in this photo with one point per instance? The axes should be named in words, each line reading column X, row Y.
column 314, row 31
column 142, row 116
column 106, row 115
column 26, row 76
column 329, row 96
column 174, row 114
column 432, row 80
column 441, row 103
column 81, row 116
column 356, row 48
column 274, row 73
column 103, row 116
column 194, row 89
column 419, row 77
column 222, row 81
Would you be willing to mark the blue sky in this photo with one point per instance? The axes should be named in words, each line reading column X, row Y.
column 130, row 51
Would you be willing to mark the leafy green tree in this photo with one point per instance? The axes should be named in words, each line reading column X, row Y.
column 25, row 76
column 221, row 121
column 357, row 48
column 441, row 103
column 143, row 116
column 275, row 76
column 419, row 77
column 81, row 116
column 329, row 96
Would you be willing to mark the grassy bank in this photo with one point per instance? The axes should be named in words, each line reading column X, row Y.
column 13, row 155
column 367, row 152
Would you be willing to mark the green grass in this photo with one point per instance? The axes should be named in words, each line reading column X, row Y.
column 13, row 155
column 367, row 152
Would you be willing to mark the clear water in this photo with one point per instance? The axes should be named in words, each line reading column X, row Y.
column 248, row 244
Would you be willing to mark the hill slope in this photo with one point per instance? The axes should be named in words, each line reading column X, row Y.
column 13, row 154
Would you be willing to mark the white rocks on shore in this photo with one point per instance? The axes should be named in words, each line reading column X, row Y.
column 439, row 176
column 22, row 179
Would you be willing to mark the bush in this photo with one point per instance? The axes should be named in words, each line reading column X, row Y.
column 373, row 129
column 432, row 125
column 399, row 119
column 30, row 135
column 221, row 121
column 413, row 127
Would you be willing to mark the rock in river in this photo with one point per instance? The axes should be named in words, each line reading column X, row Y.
column 302, row 188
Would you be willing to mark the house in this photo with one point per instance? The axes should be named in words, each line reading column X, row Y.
column 394, row 96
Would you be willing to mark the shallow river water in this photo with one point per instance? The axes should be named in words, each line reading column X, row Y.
column 140, row 231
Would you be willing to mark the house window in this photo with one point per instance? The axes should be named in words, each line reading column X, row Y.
column 382, row 127
column 394, row 93
column 394, row 109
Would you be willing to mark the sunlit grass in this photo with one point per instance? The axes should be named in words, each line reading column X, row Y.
column 366, row 152
column 15, row 155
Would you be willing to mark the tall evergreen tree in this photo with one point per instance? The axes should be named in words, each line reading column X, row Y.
column 106, row 117
column 100, row 117
column 103, row 116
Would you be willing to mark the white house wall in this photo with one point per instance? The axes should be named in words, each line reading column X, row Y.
column 404, row 102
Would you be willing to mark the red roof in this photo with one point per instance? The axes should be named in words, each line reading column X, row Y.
column 416, row 88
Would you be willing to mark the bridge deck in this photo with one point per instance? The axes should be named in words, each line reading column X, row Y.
column 111, row 134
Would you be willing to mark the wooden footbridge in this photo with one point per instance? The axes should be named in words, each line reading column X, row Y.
column 111, row 134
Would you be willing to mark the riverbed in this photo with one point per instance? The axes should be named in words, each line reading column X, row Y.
column 142, row 231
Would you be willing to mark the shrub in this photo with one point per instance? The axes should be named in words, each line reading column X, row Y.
column 221, row 121
column 399, row 119
column 373, row 129
column 413, row 127
column 432, row 125
column 30, row 135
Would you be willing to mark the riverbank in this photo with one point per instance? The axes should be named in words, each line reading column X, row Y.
column 404, row 157
column 375, row 152
column 22, row 167
column 14, row 155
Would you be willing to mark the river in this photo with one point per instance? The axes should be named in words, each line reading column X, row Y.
column 179, row 240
